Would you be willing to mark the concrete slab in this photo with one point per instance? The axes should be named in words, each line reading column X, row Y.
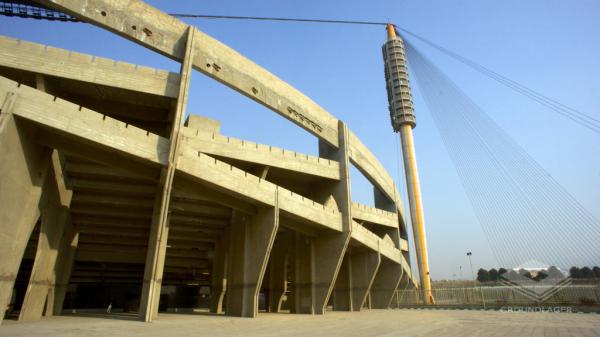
column 404, row 322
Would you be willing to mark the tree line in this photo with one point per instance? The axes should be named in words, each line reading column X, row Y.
column 494, row 275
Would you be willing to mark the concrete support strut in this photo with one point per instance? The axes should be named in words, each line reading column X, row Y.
column 278, row 273
column 54, row 212
column 64, row 266
column 157, row 242
column 364, row 269
column 23, row 171
column 385, row 284
column 342, row 292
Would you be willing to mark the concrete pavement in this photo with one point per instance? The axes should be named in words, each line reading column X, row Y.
column 404, row 322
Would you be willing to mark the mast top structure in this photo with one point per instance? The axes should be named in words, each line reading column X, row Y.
column 397, row 81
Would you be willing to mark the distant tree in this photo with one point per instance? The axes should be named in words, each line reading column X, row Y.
column 586, row 273
column 524, row 273
column 596, row 271
column 574, row 272
column 493, row 275
column 501, row 272
column 554, row 273
column 483, row 275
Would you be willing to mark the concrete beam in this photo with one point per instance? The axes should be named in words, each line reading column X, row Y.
column 85, row 125
column 186, row 191
column 23, row 171
column 374, row 215
column 149, row 27
column 92, row 170
column 235, row 182
column 111, row 163
column 250, row 247
column 46, row 60
column 228, row 147
column 366, row 162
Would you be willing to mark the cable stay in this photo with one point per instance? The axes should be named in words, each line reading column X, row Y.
column 29, row 9
column 574, row 115
column 524, row 213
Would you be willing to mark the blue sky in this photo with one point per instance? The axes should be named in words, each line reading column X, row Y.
column 551, row 46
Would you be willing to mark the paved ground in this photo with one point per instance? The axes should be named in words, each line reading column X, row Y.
column 431, row 323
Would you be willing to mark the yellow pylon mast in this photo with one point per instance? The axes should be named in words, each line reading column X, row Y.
column 403, row 121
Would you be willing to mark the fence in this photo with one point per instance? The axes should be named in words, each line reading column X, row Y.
column 503, row 295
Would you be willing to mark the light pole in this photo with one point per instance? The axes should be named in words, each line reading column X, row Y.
column 471, row 264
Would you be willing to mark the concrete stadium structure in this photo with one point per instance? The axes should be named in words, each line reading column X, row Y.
column 106, row 195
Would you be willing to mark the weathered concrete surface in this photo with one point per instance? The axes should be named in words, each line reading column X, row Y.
column 34, row 57
column 228, row 147
column 23, row 171
column 159, row 231
column 168, row 207
column 163, row 33
column 54, row 210
column 371, row 323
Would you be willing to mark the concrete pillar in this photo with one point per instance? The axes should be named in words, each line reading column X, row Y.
column 342, row 291
column 159, row 231
column 64, row 265
column 54, row 211
column 364, row 266
column 278, row 266
column 301, row 300
column 23, row 170
column 219, row 273
column 385, row 284
column 330, row 248
column 252, row 238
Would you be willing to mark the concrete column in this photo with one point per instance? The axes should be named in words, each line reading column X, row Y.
column 219, row 273
column 342, row 293
column 364, row 266
column 277, row 285
column 251, row 242
column 385, row 284
column 159, row 231
column 23, row 170
column 301, row 300
column 54, row 209
column 330, row 248
column 64, row 265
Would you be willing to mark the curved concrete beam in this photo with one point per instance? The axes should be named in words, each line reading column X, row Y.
column 154, row 29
